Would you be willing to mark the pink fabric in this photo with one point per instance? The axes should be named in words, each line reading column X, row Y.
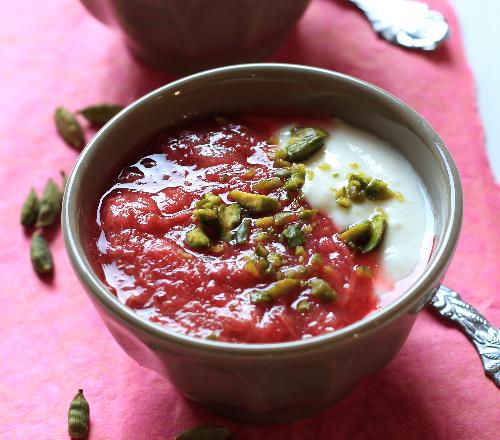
column 51, row 339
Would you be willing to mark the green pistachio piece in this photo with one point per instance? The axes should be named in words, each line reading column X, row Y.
column 208, row 201
column 316, row 259
column 282, row 218
column 364, row 271
column 197, row 238
column 206, row 432
column 41, row 257
column 360, row 177
column 275, row 260
column 257, row 266
column 297, row 178
column 356, row 233
column 267, row 184
column 260, row 297
column 307, row 214
column 29, row 211
column 50, row 205
column 321, row 289
column 261, row 251
column 212, row 337
column 282, row 173
column 343, row 202
column 293, row 235
column 264, row 222
column 355, row 191
column 99, row 114
column 242, row 231
column 304, row 142
column 303, row 306
column 205, row 215
column 69, row 128
column 282, row 287
column 255, row 202
column 378, row 221
column 229, row 216
column 378, row 190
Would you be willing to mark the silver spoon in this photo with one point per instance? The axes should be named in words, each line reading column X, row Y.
column 407, row 23
column 485, row 337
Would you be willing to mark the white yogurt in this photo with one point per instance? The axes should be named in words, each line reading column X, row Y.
column 409, row 235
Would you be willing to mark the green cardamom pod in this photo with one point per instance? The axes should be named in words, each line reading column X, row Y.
column 41, row 257
column 69, row 128
column 206, row 432
column 50, row 205
column 29, row 211
column 79, row 416
column 101, row 113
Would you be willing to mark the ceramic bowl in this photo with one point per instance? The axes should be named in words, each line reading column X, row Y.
column 191, row 35
column 281, row 381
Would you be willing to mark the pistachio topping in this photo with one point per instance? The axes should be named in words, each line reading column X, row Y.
column 229, row 216
column 293, row 235
column 267, row 184
column 274, row 290
column 243, row 231
column 297, row 177
column 378, row 221
column 197, row 238
column 303, row 306
column 366, row 235
column 255, row 202
column 304, row 142
column 321, row 289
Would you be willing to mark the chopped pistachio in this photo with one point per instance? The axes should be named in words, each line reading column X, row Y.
column 282, row 173
column 335, row 175
column 260, row 297
column 275, row 260
column 324, row 167
column 261, row 251
column 321, row 289
column 307, row 229
column 280, row 163
column 186, row 255
column 297, row 272
column 263, row 236
column 229, row 216
column 343, row 202
column 197, row 238
column 264, row 222
column 378, row 221
column 378, row 190
column 316, row 259
column 355, row 191
column 224, row 177
column 354, row 165
column 299, row 250
column 360, row 177
column 329, row 269
column 205, row 215
column 208, row 201
column 257, row 266
column 242, row 231
column 303, row 306
column 356, row 233
column 282, row 218
column 304, row 142
column 310, row 174
column 293, row 235
column 280, row 153
column 255, row 202
column 307, row 214
column 267, row 184
column 282, row 287
column 297, row 179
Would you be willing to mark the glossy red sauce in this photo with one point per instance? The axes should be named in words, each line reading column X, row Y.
column 140, row 252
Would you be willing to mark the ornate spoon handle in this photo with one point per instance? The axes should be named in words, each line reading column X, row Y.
column 485, row 337
column 407, row 23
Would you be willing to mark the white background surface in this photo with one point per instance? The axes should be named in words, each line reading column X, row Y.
column 480, row 32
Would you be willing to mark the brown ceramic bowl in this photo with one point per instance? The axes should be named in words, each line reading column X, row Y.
column 279, row 381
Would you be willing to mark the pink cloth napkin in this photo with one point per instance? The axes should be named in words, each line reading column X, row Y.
column 52, row 341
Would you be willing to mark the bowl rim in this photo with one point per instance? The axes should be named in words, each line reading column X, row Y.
column 420, row 289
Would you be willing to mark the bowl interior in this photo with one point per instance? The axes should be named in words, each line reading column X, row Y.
column 253, row 88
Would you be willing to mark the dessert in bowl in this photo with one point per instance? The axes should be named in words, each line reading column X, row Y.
column 260, row 256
